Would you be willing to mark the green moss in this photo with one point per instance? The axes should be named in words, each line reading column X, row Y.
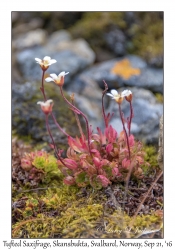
column 151, row 155
column 144, row 33
column 159, row 97
column 64, row 212
column 92, row 26
column 151, row 158
column 27, row 139
column 147, row 35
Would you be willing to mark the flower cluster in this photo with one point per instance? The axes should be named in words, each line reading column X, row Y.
column 95, row 159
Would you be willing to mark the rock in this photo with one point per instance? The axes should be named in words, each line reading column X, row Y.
column 58, row 37
column 35, row 23
column 72, row 56
column 116, row 40
column 30, row 39
column 130, row 17
column 161, row 144
column 79, row 46
column 91, row 109
column 128, row 71
column 156, row 61
column 147, row 112
column 88, row 97
column 149, row 78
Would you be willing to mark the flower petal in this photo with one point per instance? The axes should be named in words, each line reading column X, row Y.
column 114, row 92
column 49, row 101
column 40, row 103
column 54, row 76
column 38, row 60
column 110, row 95
column 47, row 58
column 49, row 79
column 52, row 61
column 126, row 92
column 63, row 73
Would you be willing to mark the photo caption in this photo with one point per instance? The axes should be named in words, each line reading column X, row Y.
column 120, row 244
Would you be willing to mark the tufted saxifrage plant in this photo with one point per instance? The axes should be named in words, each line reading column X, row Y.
column 39, row 167
column 95, row 159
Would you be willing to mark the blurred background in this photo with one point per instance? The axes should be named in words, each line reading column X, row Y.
column 123, row 48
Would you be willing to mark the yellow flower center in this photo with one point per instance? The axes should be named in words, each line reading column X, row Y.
column 45, row 62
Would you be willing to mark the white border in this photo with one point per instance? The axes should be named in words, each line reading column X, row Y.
column 5, row 93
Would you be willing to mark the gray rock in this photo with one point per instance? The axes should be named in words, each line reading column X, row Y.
column 79, row 46
column 115, row 40
column 30, row 39
column 88, row 98
column 23, row 92
column 58, row 37
column 156, row 61
column 71, row 56
column 148, row 78
column 147, row 112
column 91, row 109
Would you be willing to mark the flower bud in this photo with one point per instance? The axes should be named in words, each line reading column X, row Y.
column 126, row 163
column 26, row 164
column 46, row 106
column 69, row 180
column 96, row 161
column 103, row 180
column 71, row 164
column 128, row 95
column 129, row 98
column 115, row 171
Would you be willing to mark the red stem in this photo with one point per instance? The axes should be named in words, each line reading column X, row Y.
column 103, row 110
column 76, row 109
column 127, row 140
column 42, row 87
column 59, row 125
column 55, row 148
column 44, row 95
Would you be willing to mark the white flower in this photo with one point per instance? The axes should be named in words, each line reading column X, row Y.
column 46, row 62
column 128, row 95
column 127, row 92
column 46, row 106
column 119, row 97
column 114, row 94
column 59, row 80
